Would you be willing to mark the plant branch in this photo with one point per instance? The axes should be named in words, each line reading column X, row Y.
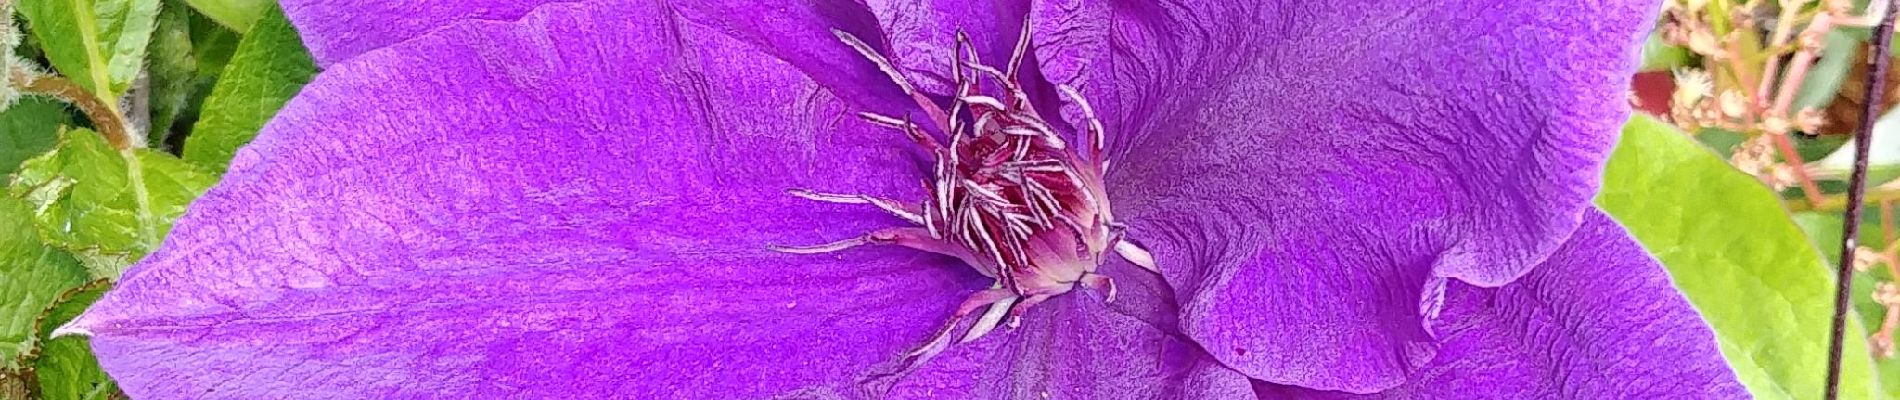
column 1856, row 190
column 1839, row 202
column 1784, row 31
column 107, row 121
column 1886, row 223
column 1809, row 190
column 1803, row 60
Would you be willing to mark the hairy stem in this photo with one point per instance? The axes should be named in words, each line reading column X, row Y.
column 137, row 106
column 107, row 121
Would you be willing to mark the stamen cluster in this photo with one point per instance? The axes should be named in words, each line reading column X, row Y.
column 1009, row 195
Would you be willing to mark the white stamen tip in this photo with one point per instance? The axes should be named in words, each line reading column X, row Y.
column 882, row 119
column 1021, row 131
column 828, row 197
column 884, row 64
column 1074, row 95
column 985, row 101
column 986, row 70
column 890, row 206
column 1137, row 255
column 819, row 249
column 988, row 322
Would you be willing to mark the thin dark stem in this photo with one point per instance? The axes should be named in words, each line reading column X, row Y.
column 1856, row 189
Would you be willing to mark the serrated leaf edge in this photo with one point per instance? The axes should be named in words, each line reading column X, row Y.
column 25, row 373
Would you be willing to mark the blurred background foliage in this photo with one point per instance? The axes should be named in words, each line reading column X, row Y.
column 1776, row 89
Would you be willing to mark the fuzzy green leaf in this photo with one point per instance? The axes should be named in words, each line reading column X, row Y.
column 108, row 207
column 238, row 15
column 173, row 70
column 1735, row 253
column 270, row 66
column 66, row 367
column 99, row 44
column 1825, row 77
column 212, row 45
column 1660, row 56
column 32, row 275
column 28, row 129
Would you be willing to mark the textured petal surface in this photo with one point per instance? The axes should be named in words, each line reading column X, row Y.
column 798, row 32
column 1304, row 170
column 509, row 209
column 1598, row 320
column 336, row 30
column 1076, row 347
column 921, row 34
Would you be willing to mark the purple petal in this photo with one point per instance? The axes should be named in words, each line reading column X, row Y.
column 576, row 203
column 803, row 34
column 797, row 32
column 1598, row 320
column 921, row 34
column 1302, row 171
column 1076, row 347
column 337, row 30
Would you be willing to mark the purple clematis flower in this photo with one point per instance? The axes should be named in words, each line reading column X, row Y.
column 826, row 199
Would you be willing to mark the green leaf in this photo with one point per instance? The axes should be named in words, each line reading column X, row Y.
column 1883, row 154
column 1824, row 230
column 1733, row 250
column 173, row 69
column 1813, row 147
column 29, row 45
column 188, row 53
column 108, row 207
column 66, row 367
column 1660, row 56
column 212, row 45
column 28, row 129
column 32, row 275
column 270, row 66
column 1723, row 141
column 1824, row 78
column 100, row 44
column 238, row 15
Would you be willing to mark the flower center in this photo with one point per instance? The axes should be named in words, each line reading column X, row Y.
column 1009, row 195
